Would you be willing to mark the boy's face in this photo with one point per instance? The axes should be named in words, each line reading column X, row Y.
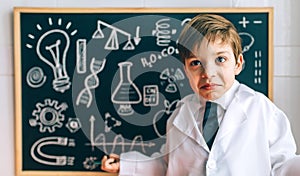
column 212, row 69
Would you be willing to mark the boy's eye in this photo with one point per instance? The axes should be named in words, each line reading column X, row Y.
column 221, row 59
column 195, row 63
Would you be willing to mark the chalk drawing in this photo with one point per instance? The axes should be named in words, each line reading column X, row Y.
column 81, row 56
column 73, row 125
column 90, row 163
column 163, row 32
column 151, row 95
column 168, row 110
column 171, row 76
column 112, row 42
column 126, row 92
column 111, row 122
column 35, row 77
column 118, row 141
column 48, row 115
column 91, row 82
column 249, row 45
column 258, row 67
column 39, row 156
column 52, row 48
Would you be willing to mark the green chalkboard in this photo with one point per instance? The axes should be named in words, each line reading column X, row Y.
column 90, row 82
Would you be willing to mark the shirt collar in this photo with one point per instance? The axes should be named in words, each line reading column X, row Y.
column 227, row 98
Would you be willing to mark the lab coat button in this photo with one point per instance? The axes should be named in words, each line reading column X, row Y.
column 211, row 164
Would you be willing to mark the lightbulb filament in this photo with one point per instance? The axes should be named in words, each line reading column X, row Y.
column 55, row 55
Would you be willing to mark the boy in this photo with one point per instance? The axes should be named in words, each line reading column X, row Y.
column 247, row 134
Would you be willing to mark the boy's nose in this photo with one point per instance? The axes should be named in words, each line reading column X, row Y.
column 209, row 71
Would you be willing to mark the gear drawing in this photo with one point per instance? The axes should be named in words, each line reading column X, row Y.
column 48, row 116
column 90, row 163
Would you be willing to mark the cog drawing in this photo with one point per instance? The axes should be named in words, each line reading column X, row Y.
column 90, row 163
column 48, row 116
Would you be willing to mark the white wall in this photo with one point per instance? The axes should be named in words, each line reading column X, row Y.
column 286, row 52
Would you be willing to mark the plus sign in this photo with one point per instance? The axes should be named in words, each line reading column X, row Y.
column 244, row 22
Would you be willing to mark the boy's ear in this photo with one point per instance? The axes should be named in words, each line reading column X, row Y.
column 239, row 65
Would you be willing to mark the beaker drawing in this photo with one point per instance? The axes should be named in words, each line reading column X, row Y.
column 126, row 93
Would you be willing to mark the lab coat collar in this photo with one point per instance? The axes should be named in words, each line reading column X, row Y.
column 227, row 98
column 233, row 118
column 186, row 120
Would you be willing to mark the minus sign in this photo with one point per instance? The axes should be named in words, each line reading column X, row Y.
column 257, row 22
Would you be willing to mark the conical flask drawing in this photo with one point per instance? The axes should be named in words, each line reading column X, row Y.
column 126, row 93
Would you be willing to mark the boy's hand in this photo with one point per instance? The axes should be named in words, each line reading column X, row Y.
column 111, row 164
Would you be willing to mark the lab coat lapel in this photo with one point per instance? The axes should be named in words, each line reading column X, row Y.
column 185, row 121
column 234, row 118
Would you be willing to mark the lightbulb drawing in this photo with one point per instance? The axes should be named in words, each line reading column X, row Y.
column 52, row 48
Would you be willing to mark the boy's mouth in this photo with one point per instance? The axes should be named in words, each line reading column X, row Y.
column 208, row 86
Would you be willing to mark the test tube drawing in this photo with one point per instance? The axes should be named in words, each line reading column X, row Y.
column 81, row 55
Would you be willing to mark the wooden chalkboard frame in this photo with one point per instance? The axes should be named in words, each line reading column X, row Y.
column 18, row 73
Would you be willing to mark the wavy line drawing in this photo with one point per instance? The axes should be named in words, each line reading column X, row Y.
column 118, row 141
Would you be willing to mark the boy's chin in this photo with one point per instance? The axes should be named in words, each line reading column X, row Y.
column 211, row 95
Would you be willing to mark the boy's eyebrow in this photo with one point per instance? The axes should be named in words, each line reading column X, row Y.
column 222, row 52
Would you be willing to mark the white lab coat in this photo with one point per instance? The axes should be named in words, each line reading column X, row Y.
column 254, row 139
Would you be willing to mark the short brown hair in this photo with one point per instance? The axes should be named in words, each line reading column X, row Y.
column 212, row 27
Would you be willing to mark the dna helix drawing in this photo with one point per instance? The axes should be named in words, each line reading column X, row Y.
column 91, row 82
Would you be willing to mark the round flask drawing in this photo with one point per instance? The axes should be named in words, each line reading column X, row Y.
column 126, row 92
